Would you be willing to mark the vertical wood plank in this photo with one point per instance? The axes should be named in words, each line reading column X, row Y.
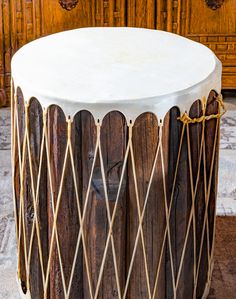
column 154, row 218
column 179, row 223
column 113, row 143
column 57, row 136
column 68, row 219
column 35, row 140
column 88, row 133
column 212, row 108
column 172, row 135
column 141, row 13
column 2, row 77
column 17, row 183
column 169, row 15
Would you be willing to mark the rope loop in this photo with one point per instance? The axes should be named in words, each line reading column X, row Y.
column 44, row 116
column 69, row 124
column 186, row 119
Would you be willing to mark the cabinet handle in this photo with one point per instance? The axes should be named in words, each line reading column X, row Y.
column 68, row 4
column 214, row 4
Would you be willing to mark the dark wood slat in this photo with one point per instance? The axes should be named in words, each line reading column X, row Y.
column 68, row 220
column 57, row 133
column 113, row 143
column 181, row 212
column 145, row 141
column 171, row 143
column 35, row 141
column 113, row 146
column 195, row 131
column 212, row 108
column 17, row 185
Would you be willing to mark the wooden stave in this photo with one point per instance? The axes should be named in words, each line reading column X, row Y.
column 167, row 128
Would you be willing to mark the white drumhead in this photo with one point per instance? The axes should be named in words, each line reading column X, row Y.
column 126, row 69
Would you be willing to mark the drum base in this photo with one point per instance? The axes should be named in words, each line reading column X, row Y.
column 204, row 296
column 22, row 294
column 208, row 284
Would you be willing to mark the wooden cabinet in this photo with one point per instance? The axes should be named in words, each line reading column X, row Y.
column 211, row 22
column 22, row 21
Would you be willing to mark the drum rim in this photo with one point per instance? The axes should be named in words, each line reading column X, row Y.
column 212, row 81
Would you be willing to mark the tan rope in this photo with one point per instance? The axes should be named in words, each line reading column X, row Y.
column 83, row 216
column 35, row 183
column 114, row 214
column 169, row 212
column 219, row 99
column 144, row 206
column 166, row 214
column 185, row 118
column 140, row 215
column 20, row 199
column 22, row 195
column 109, row 220
column 55, row 214
column 193, row 202
column 81, row 226
column 35, row 204
column 207, row 200
column 13, row 153
column 21, row 226
column 214, row 225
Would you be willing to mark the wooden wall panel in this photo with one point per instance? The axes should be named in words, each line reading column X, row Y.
column 26, row 20
column 55, row 18
column 5, row 52
column 216, row 28
column 2, row 82
column 150, row 14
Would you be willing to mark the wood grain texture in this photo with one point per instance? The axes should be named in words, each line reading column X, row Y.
column 35, row 126
column 113, row 142
column 145, row 148
column 182, row 203
column 68, row 210
column 218, row 35
column 211, row 132
column 18, row 140
column 198, row 169
column 26, row 20
column 197, row 154
column 177, row 215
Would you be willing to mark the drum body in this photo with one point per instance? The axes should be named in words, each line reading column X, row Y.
column 110, row 208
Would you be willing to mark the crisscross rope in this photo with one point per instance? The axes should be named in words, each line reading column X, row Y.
column 21, row 154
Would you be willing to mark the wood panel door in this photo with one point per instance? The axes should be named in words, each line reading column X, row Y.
column 213, row 23
column 64, row 15
column 152, row 14
column 22, row 21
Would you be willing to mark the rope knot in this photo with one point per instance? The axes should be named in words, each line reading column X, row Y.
column 186, row 119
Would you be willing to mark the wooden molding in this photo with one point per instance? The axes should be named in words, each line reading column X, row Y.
column 3, row 98
column 214, row 4
column 68, row 4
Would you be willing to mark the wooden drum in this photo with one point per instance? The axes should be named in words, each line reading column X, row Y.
column 115, row 140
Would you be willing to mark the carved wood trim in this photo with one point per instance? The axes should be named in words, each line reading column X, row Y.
column 214, row 4
column 68, row 4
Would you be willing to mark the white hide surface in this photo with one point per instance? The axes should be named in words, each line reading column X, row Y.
column 131, row 70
